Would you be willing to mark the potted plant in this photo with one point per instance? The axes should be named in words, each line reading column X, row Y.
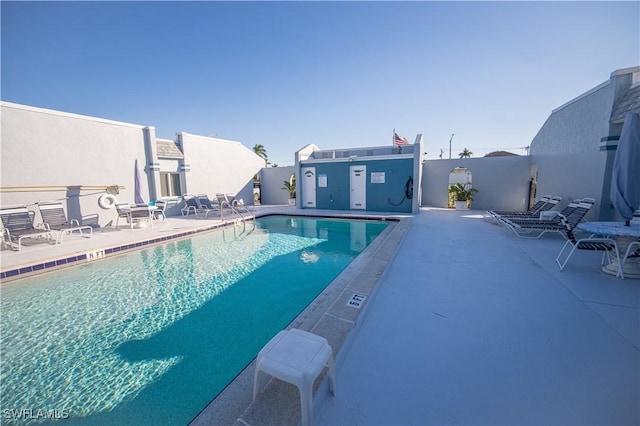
column 462, row 195
column 290, row 185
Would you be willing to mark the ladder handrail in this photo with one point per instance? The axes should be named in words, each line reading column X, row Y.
column 235, row 207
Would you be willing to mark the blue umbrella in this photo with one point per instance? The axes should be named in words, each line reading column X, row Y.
column 625, row 180
column 137, row 195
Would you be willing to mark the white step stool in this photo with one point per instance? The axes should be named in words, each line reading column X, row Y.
column 296, row 357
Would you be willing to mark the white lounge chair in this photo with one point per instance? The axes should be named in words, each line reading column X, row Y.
column 17, row 224
column 55, row 219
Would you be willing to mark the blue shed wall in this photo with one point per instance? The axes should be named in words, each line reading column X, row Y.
column 336, row 195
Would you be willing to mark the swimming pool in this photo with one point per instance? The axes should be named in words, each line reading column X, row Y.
column 152, row 336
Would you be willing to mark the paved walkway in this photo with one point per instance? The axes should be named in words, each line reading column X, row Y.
column 472, row 325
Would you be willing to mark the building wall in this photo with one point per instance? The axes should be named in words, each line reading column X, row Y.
column 271, row 184
column 502, row 182
column 576, row 126
column 567, row 150
column 219, row 166
column 41, row 148
column 571, row 136
column 573, row 176
column 383, row 197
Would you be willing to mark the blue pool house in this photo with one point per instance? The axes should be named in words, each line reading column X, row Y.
column 380, row 179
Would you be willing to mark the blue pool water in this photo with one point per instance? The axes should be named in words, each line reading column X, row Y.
column 152, row 336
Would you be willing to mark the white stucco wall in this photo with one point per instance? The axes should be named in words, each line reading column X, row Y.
column 567, row 151
column 502, row 182
column 573, row 176
column 46, row 147
column 271, row 184
column 219, row 166
column 43, row 147
column 578, row 125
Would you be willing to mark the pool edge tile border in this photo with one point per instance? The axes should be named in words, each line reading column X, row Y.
column 75, row 259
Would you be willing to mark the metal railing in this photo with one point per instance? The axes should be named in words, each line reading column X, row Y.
column 226, row 201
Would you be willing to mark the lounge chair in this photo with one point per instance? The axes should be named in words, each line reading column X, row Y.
column 135, row 214
column 543, row 205
column 607, row 246
column 191, row 205
column 225, row 202
column 206, row 204
column 17, row 224
column 551, row 216
column 565, row 220
column 159, row 211
column 533, row 210
column 54, row 218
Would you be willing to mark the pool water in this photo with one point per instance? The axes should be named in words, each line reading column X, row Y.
column 150, row 337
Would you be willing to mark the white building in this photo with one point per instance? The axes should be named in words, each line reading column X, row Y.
column 53, row 155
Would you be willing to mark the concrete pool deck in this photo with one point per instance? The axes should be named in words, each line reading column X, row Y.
column 472, row 325
column 466, row 324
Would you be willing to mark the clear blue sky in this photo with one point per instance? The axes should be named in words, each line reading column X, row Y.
column 285, row 74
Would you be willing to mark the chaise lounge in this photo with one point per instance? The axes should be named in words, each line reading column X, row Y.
column 567, row 219
column 17, row 224
column 55, row 219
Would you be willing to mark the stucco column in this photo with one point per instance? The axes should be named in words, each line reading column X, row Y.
column 152, row 168
column 184, row 166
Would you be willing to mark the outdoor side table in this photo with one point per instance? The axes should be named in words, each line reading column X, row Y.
column 297, row 357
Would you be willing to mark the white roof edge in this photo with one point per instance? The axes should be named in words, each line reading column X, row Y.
column 211, row 138
column 587, row 93
column 362, row 148
column 69, row 114
column 627, row 70
column 618, row 72
column 356, row 159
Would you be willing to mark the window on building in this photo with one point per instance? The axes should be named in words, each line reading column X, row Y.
column 170, row 184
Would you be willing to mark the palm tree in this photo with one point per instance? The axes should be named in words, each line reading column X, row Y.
column 466, row 153
column 261, row 152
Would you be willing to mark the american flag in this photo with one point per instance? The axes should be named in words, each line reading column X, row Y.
column 399, row 140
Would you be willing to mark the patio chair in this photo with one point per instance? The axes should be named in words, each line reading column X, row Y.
column 633, row 251
column 552, row 217
column 159, row 211
column 17, row 224
column 544, row 214
column 544, row 204
column 191, row 205
column 55, row 219
column 533, row 210
column 134, row 215
column 206, row 204
column 566, row 220
column 224, row 202
column 607, row 246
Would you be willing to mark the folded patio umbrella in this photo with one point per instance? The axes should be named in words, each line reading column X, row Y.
column 137, row 195
column 625, row 179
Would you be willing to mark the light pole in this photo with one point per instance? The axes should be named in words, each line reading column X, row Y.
column 450, row 145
